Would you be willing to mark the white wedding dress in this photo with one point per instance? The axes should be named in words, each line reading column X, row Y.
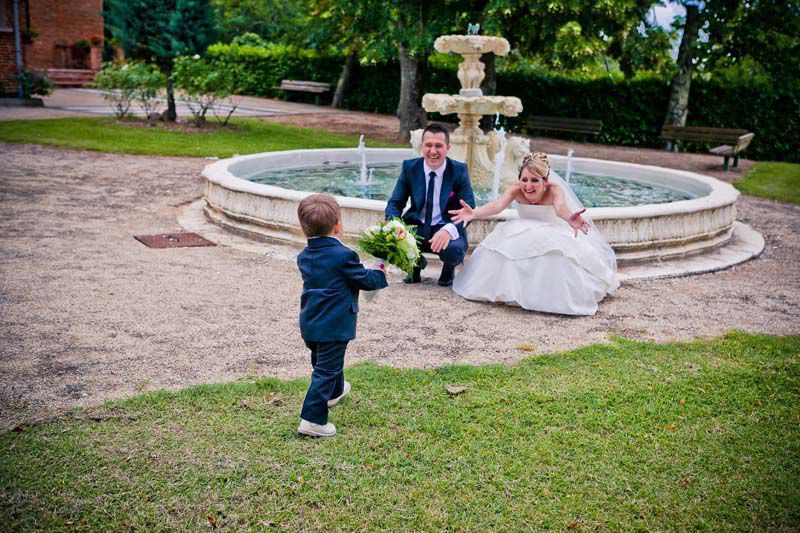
column 537, row 263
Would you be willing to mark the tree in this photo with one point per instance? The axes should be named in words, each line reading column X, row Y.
column 645, row 49
column 344, row 26
column 272, row 20
column 765, row 34
column 161, row 30
column 386, row 30
column 678, row 106
column 762, row 34
column 565, row 34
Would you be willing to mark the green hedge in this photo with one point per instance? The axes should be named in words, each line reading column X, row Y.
column 260, row 69
column 632, row 111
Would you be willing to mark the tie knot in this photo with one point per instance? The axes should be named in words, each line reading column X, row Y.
column 432, row 174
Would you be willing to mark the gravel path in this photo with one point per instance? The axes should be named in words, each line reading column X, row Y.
column 87, row 313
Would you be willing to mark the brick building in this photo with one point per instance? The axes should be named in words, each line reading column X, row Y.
column 62, row 36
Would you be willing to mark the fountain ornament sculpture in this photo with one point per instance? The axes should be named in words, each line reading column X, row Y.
column 469, row 143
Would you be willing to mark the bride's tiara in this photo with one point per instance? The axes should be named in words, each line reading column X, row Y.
column 535, row 156
column 534, row 160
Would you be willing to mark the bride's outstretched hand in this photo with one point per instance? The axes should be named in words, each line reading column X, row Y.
column 578, row 223
column 465, row 214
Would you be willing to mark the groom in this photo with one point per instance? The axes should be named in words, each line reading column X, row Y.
column 435, row 184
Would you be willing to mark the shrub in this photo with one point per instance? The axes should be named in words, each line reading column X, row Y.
column 203, row 84
column 258, row 70
column 134, row 81
column 35, row 83
column 249, row 39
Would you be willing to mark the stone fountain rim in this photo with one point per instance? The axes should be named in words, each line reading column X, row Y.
column 720, row 194
column 444, row 40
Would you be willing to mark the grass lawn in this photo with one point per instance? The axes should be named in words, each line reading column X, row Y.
column 631, row 435
column 779, row 181
column 247, row 136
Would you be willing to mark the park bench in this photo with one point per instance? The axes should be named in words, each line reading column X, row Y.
column 734, row 141
column 314, row 87
column 573, row 125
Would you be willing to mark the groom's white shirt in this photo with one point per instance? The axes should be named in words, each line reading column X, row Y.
column 436, row 215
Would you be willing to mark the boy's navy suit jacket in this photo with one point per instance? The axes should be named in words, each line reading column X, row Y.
column 332, row 276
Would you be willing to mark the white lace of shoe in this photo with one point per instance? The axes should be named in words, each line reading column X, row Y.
column 316, row 430
column 345, row 392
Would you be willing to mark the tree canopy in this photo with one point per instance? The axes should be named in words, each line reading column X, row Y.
column 160, row 31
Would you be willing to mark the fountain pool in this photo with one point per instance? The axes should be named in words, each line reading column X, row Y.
column 345, row 180
column 701, row 217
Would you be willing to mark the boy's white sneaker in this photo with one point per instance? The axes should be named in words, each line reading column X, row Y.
column 345, row 392
column 316, row 430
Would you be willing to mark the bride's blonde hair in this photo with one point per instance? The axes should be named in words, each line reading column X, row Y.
column 536, row 163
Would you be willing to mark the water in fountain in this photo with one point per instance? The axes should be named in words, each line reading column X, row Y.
column 568, row 171
column 362, row 153
column 499, row 159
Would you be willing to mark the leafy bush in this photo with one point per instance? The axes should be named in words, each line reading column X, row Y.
column 203, row 85
column 249, row 39
column 258, row 70
column 35, row 83
column 125, row 83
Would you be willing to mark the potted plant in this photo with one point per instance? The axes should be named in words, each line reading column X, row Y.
column 96, row 52
column 34, row 83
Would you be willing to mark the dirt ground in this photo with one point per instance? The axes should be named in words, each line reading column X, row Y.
column 87, row 313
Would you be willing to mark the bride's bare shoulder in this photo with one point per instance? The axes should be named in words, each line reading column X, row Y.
column 554, row 190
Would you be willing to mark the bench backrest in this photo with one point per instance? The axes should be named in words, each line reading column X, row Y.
column 581, row 125
column 703, row 134
column 310, row 86
column 743, row 142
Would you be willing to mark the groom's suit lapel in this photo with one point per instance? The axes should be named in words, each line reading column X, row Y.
column 418, row 189
column 447, row 187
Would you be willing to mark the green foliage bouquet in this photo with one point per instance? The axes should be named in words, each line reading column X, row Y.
column 392, row 241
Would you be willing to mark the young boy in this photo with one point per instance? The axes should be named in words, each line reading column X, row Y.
column 332, row 276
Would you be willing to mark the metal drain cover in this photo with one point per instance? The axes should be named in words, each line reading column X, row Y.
column 173, row 240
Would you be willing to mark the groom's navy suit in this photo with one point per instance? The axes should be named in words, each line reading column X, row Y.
column 332, row 276
column 412, row 185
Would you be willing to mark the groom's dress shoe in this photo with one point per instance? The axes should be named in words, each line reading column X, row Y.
column 416, row 277
column 448, row 274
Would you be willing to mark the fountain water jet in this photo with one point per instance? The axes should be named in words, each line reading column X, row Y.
column 499, row 158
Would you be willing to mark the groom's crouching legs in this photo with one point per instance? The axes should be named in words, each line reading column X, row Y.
column 455, row 252
column 452, row 256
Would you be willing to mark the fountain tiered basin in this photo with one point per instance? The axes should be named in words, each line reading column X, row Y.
column 641, row 233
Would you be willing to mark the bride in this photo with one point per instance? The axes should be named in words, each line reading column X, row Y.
column 550, row 259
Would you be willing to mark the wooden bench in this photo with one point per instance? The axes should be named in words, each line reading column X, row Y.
column 734, row 141
column 574, row 125
column 314, row 87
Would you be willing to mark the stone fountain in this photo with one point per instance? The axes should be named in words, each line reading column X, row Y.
column 469, row 143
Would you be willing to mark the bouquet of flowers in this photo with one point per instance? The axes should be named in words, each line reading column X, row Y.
column 393, row 242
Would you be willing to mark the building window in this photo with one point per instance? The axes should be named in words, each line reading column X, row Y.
column 6, row 17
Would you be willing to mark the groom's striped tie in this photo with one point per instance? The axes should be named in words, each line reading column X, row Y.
column 429, row 205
